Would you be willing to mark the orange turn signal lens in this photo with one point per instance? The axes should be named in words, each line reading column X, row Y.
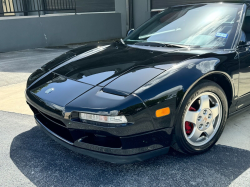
column 162, row 112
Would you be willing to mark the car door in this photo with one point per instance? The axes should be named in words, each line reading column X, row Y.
column 244, row 57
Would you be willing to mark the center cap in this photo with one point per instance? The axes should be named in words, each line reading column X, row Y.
column 204, row 119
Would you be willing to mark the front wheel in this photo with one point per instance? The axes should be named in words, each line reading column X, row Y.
column 202, row 118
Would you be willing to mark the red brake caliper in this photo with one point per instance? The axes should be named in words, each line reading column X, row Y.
column 189, row 126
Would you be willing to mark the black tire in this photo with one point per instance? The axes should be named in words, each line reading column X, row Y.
column 179, row 141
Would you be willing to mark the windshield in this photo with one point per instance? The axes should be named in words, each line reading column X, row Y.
column 203, row 25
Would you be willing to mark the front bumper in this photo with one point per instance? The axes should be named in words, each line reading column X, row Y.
column 119, row 159
column 108, row 144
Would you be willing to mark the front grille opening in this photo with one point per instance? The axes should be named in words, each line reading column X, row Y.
column 35, row 111
column 104, row 141
column 53, row 119
column 55, row 128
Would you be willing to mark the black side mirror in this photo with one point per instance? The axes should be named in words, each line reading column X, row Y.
column 244, row 44
column 130, row 31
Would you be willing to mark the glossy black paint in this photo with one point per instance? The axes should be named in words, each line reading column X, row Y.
column 137, row 74
column 62, row 93
column 130, row 80
column 244, row 89
column 169, row 88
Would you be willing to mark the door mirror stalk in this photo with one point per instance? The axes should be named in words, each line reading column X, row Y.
column 130, row 31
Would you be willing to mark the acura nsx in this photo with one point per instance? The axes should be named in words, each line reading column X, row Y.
column 172, row 82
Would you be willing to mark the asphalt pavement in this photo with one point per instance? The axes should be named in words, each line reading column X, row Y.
column 28, row 157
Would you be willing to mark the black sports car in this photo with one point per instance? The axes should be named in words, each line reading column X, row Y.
column 173, row 82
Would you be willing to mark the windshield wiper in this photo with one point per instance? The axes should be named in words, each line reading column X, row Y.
column 158, row 44
column 182, row 46
column 177, row 45
column 153, row 44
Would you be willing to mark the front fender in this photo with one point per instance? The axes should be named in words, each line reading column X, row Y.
column 171, row 87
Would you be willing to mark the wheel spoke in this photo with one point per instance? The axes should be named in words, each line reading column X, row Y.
column 215, row 110
column 191, row 116
column 195, row 135
column 204, row 102
column 210, row 130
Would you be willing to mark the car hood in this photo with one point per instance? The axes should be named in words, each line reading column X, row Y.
column 102, row 65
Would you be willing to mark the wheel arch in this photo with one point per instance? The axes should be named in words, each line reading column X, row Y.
column 225, row 83
column 217, row 77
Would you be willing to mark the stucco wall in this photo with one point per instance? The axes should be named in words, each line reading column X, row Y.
column 19, row 33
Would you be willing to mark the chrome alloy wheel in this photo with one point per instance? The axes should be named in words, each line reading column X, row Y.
column 203, row 119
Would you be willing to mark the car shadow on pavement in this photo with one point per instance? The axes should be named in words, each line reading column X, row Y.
column 46, row 163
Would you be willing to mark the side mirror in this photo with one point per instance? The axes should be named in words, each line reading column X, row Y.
column 130, row 31
column 244, row 44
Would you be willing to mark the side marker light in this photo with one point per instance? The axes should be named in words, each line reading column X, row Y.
column 162, row 112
